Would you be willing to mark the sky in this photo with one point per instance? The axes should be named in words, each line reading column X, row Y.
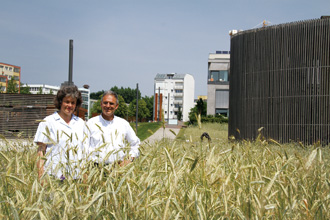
column 127, row 42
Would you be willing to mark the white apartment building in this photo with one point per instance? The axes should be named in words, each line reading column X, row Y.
column 48, row 89
column 42, row 89
column 173, row 93
column 218, row 83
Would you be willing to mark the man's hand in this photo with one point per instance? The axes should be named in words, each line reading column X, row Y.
column 40, row 163
column 126, row 162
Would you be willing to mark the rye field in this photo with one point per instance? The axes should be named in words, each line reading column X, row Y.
column 184, row 178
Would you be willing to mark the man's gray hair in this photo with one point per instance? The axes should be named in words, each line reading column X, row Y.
column 109, row 92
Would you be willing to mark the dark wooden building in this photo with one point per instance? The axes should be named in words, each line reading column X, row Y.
column 280, row 80
column 20, row 114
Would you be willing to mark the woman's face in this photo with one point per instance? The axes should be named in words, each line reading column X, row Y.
column 68, row 105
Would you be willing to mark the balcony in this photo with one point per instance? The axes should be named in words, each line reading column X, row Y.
column 177, row 101
column 178, row 94
column 178, row 87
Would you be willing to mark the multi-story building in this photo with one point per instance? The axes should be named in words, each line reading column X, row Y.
column 48, row 89
column 8, row 72
column 173, row 93
column 218, row 83
column 42, row 89
column 85, row 97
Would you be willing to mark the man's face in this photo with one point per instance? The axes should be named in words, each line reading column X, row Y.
column 109, row 107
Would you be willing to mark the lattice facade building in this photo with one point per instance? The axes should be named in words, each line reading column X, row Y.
column 280, row 81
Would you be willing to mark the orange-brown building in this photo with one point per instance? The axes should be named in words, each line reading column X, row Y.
column 8, row 72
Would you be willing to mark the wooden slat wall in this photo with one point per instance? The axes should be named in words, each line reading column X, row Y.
column 279, row 80
column 19, row 113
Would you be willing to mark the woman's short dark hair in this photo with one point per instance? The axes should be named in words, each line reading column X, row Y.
column 67, row 91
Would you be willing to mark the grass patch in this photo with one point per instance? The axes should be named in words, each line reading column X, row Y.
column 177, row 179
column 146, row 129
column 217, row 132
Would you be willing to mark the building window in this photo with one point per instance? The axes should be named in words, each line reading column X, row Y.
column 220, row 111
column 16, row 70
column 222, row 99
column 220, row 75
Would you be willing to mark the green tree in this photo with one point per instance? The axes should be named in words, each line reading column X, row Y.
column 12, row 86
column 96, row 108
column 25, row 89
column 150, row 105
column 192, row 115
column 96, row 95
column 200, row 108
column 127, row 93
column 120, row 112
column 40, row 90
column 132, row 109
column 179, row 114
column 143, row 111
column 122, row 109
